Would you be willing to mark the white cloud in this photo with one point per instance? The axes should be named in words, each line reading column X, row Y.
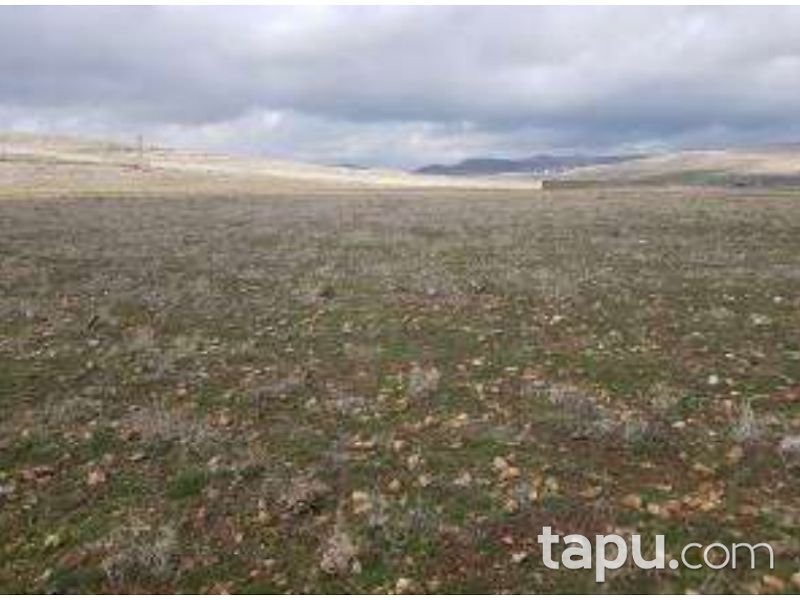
column 404, row 86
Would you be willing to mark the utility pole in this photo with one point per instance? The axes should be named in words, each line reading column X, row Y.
column 140, row 146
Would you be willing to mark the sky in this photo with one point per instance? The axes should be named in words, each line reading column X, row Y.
column 405, row 86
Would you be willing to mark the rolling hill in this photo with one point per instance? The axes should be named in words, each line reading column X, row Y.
column 770, row 165
column 64, row 165
column 542, row 164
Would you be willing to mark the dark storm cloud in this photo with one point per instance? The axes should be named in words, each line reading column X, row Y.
column 405, row 85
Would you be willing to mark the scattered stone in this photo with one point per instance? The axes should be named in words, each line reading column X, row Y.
column 458, row 421
column 422, row 383
column 214, row 463
column 499, row 463
column 429, row 421
column 7, row 490
column 795, row 579
column 96, row 477
column 395, row 486
column 224, row 419
column 361, row 502
column 747, row 427
column 656, row 510
column 734, row 455
column 591, row 492
column 518, row 557
column 789, row 447
column 303, row 495
column 39, row 474
column 702, row 469
column 773, row 583
column 463, row 480
column 433, row 585
column 137, row 457
column 403, row 585
column 363, row 445
column 551, row 485
column 632, row 501
column 340, row 554
column 510, row 473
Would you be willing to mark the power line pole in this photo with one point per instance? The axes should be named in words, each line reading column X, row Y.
column 140, row 146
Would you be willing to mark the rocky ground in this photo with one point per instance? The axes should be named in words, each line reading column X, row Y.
column 394, row 391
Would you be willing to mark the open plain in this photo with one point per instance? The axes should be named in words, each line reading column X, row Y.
column 211, row 387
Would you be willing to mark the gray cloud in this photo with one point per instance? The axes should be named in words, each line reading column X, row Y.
column 404, row 86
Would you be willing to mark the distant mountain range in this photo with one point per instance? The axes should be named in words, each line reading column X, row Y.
column 542, row 164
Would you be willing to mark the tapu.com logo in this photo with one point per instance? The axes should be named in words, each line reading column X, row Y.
column 611, row 552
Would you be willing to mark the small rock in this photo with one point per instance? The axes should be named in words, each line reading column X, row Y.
column 734, row 455
column 95, row 477
column 463, row 480
column 303, row 494
column 795, row 579
column 403, row 585
column 773, row 583
column 702, row 469
column 422, row 383
column 7, row 490
column 789, row 446
column 361, row 502
column 551, row 485
column 395, row 486
column 518, row 557
column 713, row 380
column 339, row 556
column 499, row 463
column 591, row 492
column 39, row 474
column 363, row 445
column 433, row 585
column 511, row 506
column 632, row 501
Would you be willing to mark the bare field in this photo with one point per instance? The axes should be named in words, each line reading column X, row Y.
column 380, row 390
column 38, row 166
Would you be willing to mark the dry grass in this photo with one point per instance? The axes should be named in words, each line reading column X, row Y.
column 373, row 390
column 58, row 167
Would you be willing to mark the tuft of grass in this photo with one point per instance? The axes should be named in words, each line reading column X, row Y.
column 188, row 483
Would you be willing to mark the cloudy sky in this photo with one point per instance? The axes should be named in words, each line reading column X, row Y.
column 405, row 86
